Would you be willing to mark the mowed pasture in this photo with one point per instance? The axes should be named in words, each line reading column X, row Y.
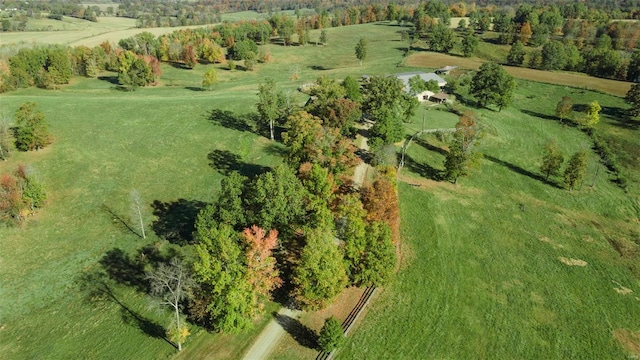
column 503, row 264
column 479, row 275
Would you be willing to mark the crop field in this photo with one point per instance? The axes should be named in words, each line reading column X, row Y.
column 489, row 265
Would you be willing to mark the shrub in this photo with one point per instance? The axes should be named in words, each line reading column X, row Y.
column 331, row 335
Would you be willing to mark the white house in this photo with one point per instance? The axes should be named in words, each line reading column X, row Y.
column 425, row 95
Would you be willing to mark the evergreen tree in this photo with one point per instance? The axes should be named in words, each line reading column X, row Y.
column 331, row 335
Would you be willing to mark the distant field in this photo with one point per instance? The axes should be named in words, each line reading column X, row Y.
column 436, row 60
column 74, row 32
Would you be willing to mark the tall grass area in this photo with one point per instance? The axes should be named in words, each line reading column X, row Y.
column 484, row 271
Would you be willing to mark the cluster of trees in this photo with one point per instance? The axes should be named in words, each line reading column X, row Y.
column 552, row 162
column 44, row 67
column 588, row 44
column 308, row 231
column 321, row 240
column 30, row 133
column 20, row 195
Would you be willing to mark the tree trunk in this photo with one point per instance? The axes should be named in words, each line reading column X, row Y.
column 144, row 236
column 271, row 129
column 178, row 326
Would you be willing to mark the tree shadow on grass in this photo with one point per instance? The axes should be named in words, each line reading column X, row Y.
column 300, row 333
column 521, row 171
column 176, row 219
column 276, row 149
column 121, row 222
column 231, row 120
column 620, row 117
column 423, row 169
column 539, row 115
column 226, row 162
column 110, row 79
column 124, row 269
column 96, row 287
column 430, row 147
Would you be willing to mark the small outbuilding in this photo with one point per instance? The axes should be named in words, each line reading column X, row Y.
column 446, row 70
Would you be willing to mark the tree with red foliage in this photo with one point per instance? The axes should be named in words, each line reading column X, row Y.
column 262, row 274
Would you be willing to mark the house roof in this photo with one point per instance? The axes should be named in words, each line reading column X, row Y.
column 424, row 76
column 440, row 96
column 446, row 69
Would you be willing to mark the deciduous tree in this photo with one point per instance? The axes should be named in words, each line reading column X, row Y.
column 352, row 89
column 262, row 275
column 441, row 38
column 470, row 44
column 564, row 108
column 320, row 274
column 592, row 115
column 210, row 79
column 170, row 284
column 492, row 85
column 552, row 159
column 633, row 98
column 576, row 169
column 137, row 210
column 32, row 132
column 228, row 206
column 268, row 105
column 6, row 140
column 221, row 272
column 276, row 200
column 361, row 50
column 554, row 56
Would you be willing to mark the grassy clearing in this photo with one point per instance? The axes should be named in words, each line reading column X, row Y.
column 485, row 262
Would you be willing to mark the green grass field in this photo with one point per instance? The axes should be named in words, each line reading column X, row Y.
column 480, row 275
column 483, row 272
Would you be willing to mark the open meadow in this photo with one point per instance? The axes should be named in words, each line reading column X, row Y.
column 501, row 265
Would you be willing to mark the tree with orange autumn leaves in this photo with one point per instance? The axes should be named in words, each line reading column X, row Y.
column 262, row 275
